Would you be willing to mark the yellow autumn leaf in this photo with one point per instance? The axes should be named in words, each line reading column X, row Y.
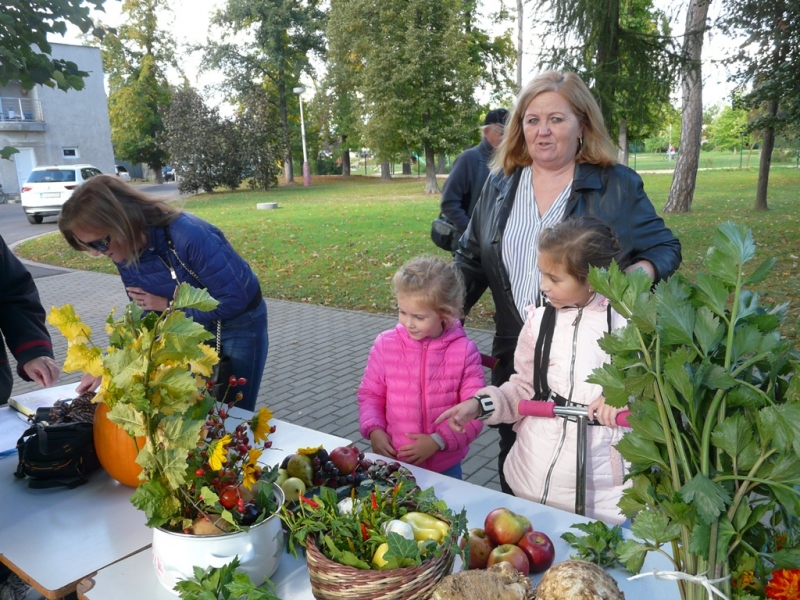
column 203, row 366
column 82, row 358
column 69, row 324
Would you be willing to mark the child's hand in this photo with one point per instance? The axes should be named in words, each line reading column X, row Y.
column 603, row 413
column 420, row 450
column 460, row 414
column 381, row 443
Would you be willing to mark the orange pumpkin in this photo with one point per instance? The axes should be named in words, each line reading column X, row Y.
column 115, row 448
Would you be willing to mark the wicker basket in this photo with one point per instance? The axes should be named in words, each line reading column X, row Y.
column 332, row 581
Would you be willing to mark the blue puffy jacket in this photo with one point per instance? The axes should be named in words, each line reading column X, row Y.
column 203, row 249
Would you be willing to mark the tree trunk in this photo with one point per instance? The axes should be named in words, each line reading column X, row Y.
column 346, row 163
column 519, row 44
column 407, row 168
column 440, row 167
column 623, row 142
column 288, row 169
column 685, row 176
column 386, row 174
column 767, row 146
column 431, row 186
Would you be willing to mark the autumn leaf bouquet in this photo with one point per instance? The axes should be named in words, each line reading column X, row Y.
column 200, row 471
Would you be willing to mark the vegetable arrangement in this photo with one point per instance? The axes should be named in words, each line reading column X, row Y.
column 376, row 526
column 715, row 442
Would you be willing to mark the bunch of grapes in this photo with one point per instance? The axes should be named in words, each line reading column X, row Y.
column 389, row 472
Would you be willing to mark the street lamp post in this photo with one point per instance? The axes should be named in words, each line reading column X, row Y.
column 306, row 172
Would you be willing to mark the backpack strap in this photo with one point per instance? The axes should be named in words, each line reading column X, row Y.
column 541, row 354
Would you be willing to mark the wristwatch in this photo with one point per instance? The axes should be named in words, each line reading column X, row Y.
column 486, row 404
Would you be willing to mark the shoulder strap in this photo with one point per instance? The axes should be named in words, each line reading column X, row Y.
column 175, row 252
column 193, row 274
column 541, row 354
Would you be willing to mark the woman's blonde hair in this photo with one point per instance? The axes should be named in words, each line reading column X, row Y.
column 440, row 285
column 596, row 148
column 106, row 203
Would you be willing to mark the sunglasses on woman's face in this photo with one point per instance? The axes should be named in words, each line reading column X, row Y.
column 99, row 245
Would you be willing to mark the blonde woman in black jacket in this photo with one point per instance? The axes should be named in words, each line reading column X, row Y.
column 555, row 161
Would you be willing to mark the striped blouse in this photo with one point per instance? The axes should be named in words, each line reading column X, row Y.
column 521, row 239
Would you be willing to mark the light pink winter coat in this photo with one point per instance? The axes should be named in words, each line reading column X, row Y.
column 542, row 463
column 408, row 383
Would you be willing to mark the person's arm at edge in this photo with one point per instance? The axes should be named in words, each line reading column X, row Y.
column 655, row 243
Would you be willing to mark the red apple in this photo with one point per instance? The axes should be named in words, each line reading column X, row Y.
column 480, row 546
column 345, row 459
column 504, row 526
column 511, row 554
column 539, row 550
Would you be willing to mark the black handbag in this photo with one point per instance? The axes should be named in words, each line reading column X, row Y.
column 444, row 234
column 60, row 454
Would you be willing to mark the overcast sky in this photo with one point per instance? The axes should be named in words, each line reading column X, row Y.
column 189, row 23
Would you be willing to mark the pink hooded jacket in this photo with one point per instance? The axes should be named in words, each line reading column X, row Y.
column 408, row 383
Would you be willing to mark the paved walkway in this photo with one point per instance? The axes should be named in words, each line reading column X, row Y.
column 316, row 358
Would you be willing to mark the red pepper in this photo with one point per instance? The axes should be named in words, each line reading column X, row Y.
column 308, row 501
column 364, row 533
column 374, row 502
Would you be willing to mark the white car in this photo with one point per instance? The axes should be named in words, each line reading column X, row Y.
column 47, row 188
column 122, row 173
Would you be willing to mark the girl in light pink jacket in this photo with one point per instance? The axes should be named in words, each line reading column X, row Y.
column 419, row 369
column 541, row 465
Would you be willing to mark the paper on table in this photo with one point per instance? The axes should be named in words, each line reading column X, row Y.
column 45, row 397
column 11, row 428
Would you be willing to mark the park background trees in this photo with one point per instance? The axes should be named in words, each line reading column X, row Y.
column 135, row 60
column 402, row 78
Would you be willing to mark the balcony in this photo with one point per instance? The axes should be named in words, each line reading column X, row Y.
column 21, row 114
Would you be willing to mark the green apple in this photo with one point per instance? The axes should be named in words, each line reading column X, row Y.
column 283, row 475
column 292, row 488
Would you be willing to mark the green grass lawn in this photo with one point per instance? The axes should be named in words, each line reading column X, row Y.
column 708, row 160
column 338, row 242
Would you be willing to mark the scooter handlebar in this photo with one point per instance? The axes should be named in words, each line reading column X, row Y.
column 538, row 408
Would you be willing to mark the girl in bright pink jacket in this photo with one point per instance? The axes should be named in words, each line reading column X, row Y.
column 419, row 369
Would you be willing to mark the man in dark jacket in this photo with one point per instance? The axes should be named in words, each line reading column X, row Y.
column 470, row 170
column 22, row 322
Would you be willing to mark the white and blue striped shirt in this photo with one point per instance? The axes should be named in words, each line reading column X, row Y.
column 521, row 240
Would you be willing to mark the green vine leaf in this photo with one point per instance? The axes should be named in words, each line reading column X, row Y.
column 187, row 297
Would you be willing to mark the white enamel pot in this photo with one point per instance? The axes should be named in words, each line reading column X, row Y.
column 259, row 550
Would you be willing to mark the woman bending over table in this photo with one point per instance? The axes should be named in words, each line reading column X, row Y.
column 155, row 247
